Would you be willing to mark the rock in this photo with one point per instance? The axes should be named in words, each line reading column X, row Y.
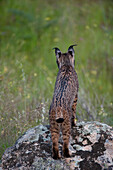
column 91, row 145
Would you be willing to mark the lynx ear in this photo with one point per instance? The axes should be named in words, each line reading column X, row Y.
column 57, row 52
column 71, row 50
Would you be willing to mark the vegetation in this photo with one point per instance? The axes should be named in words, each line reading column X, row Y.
column 28, row 32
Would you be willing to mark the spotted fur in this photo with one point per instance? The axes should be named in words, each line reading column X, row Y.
column 63, row 106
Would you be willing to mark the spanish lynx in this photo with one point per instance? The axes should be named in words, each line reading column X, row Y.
column 63, row 107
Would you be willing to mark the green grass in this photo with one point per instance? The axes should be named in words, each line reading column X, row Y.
column 28, row 32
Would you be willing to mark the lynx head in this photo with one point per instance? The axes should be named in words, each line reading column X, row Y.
column 65, row 58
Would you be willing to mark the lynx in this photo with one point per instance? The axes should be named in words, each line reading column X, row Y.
column 63, row 107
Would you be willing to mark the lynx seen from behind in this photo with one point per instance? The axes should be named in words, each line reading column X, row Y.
column 63, row 107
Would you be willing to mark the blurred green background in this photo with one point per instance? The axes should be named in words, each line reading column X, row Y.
column 29, row 30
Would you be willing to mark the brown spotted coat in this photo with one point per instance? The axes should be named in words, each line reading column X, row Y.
column 63, row 106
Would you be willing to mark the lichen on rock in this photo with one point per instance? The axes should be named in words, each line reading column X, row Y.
column 91, row 145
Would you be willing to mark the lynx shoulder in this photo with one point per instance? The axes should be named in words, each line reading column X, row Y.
column 63, row 107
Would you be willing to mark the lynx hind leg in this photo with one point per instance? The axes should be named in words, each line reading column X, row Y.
column 55, row 139
column 54, row 128
column 73, row 121
column 66, row 128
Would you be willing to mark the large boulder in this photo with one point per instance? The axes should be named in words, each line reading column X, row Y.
column 91, row 145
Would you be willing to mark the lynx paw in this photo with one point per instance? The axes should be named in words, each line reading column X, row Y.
column 56, row 155
column 66, row 153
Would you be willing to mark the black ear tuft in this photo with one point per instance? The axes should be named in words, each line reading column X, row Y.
column 57, row 52
column 71, row 49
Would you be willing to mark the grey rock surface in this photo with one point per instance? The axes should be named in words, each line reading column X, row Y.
column 91, row 145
